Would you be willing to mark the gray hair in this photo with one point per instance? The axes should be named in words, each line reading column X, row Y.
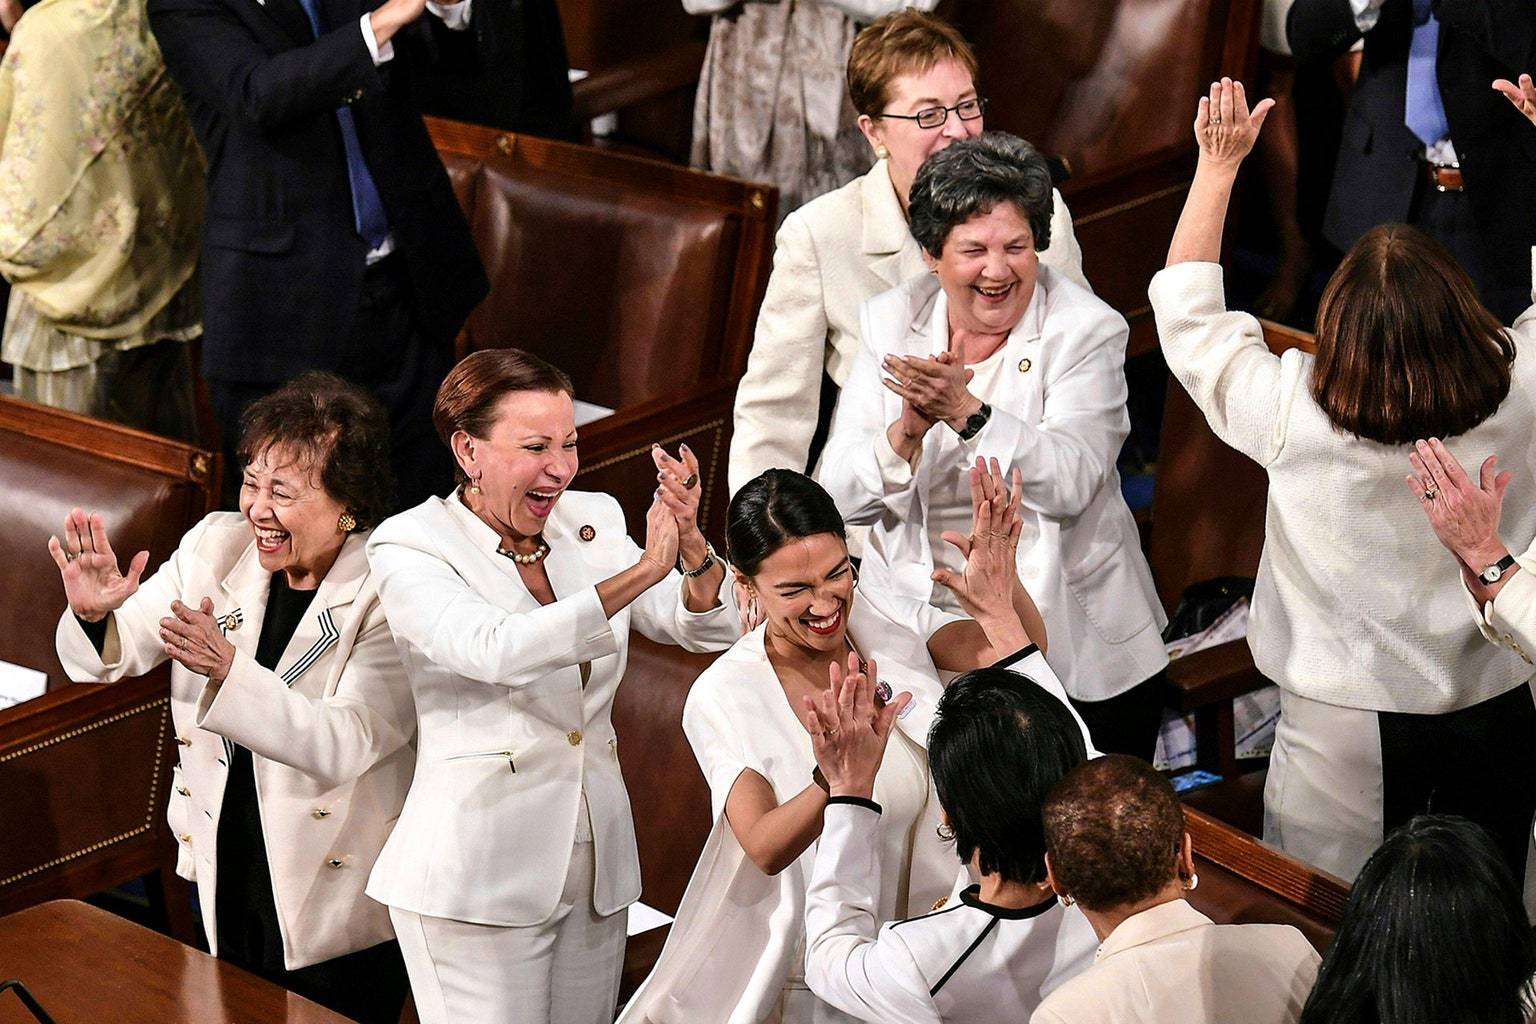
column 972, row 176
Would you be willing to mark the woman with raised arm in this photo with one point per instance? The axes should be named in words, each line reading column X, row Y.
column 292, row 711
column 736, row 952
column 1387, row 698
column 509, row 873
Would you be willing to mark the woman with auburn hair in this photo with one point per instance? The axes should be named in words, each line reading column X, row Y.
column 1115, row 846
column 1388, row 696
column 912, row 78
column 510, row 870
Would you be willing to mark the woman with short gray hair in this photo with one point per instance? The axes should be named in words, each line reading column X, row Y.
column 994, row 355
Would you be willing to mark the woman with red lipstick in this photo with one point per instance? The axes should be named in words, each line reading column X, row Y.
column 995, row 355
column 736, row 952
column 293, row 713
column 510, row 870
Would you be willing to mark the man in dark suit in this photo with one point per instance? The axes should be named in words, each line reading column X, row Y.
column 1427, row 140
column 332, row 239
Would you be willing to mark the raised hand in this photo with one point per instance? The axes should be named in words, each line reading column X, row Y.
column 849, row 728
column 660, row 554
column 93, row 584
column 677, row 487
column 986, row 586
column 1224, row 127
column 1523, row 96
column 192, row 638
column 1464, row 515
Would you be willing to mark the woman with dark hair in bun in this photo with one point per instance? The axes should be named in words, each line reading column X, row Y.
column 736, row 952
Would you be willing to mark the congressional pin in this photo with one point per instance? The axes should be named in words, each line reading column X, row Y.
column 1024, row 365
column 883, row 692
column 229, row 622
column 586, row 533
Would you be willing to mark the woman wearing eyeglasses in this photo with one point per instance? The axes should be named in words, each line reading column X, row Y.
column 912, row 78
column 736, row 954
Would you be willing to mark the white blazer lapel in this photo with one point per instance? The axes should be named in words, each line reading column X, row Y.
column 244, row 602
column 317, row 632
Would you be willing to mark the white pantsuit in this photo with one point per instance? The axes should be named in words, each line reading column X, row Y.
column 830, row 256
column 329, row 731
column 517, row 773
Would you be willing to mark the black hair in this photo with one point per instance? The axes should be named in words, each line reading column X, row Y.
column 998, row 743
column 777, row 506
column 971, row 176
column 1434, row 931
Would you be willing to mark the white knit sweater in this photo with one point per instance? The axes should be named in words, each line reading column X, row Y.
column 1357, row 604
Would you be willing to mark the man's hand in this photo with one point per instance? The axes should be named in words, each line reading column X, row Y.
column 394, row 16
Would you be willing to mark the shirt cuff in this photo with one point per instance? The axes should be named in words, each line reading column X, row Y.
column 1017, row 656
column 1366, row 12
column 855, row 801
column 379, row 53
column 455, row 17
column 895, row 471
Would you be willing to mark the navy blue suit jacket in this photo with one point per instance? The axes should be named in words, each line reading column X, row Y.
column 282, row 264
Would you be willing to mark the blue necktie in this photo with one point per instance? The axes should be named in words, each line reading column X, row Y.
column 367, row 206
column 1424, row 114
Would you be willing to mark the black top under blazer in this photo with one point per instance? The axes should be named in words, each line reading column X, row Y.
column 282, row 263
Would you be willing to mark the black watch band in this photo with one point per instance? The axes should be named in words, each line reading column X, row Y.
column 975, row 421
column 1491, row 574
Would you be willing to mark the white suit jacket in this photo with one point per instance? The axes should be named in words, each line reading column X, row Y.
column 1172, row 965
column 509, row 739
column 329, row 731
column 832, row 255
column 1058, row 416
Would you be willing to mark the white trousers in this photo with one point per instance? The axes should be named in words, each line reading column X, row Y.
column 565, row 971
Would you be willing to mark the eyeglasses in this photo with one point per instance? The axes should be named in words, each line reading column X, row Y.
column 934, row 117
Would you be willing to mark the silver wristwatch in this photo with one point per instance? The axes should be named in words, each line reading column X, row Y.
column 1491, row 574
column 703, row 567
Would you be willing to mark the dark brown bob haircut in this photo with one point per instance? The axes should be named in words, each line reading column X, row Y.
column 1113, row 831
column 331, row 425
column 907, row 42
column 1405, row 350
column 470, row 394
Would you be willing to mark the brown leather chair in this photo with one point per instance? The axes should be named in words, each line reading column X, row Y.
column 85, row 770
column 1208, row 506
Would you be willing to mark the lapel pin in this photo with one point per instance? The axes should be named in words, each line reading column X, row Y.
column 883, row 692
column 1024, row 365
column 230, row 623
column 586, row 533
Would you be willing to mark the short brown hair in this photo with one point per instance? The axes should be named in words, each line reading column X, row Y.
column 469, row 395
column 1113, row 831
column 325, row 420
column 907, row 42
column 1405, row 350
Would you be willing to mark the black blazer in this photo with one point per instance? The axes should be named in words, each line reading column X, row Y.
column 282, row 264
column 1480, row 40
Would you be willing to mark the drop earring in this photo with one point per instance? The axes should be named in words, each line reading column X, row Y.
column 881, row 153
column 474, row 485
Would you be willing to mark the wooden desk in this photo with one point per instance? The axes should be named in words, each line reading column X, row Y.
column 84, row 964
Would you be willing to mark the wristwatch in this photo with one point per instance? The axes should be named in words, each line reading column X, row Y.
column 975, row 421
column 1491, row 574
column 702, row 567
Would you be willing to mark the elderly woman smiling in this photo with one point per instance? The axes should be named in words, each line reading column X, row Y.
column 997, row 356
column 292, row 710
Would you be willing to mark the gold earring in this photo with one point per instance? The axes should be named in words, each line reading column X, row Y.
column 945, row 832
column 474, row 486
column 881, row 153
column 1192, row 882
column 1066, row 899
column 346, row 522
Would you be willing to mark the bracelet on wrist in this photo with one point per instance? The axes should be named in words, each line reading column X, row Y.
column 703, row 567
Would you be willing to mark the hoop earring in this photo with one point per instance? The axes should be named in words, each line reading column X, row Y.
column 1192, row 882
column 945, row 832
column 346, row 523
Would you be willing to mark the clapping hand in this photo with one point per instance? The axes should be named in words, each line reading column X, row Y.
column 849, row 729
column 1224, row 127
column 1523, row 96
column 93, row 583
column 935, row 388
column 1464, row 515
column 660, row 554
column 677, row 487
column 985, row 587
column 193, row 639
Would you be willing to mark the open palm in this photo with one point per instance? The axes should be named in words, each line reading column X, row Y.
column 93, row 582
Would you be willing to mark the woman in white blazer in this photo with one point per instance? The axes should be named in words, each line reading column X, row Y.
column 511, row 601
column 735, row 954
column 1391, row 704
column 292, row 711
column 993, row 355
column 849, row 245
column 1115, row 846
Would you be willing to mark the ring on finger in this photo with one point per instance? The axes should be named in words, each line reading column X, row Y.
column 693, row 478
column 70, row 556
column 1430, row 493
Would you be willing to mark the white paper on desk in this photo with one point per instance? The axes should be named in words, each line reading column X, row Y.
column 1255, row 714
column 1231, row 624
column 643, row 918
column 18, row 684
column 586, row 412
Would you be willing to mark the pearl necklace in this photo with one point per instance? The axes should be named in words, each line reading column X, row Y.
column 528, row 559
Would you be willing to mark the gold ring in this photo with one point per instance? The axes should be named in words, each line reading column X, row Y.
column 693, row 478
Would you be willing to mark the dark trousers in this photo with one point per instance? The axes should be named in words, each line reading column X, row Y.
column 368, row 986
column 385, row 353
column 1474, row 763
column 1503, row 283
column 1126, row 723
